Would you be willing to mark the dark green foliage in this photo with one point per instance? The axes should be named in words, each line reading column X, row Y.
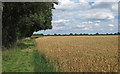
column 80, row 34
column 97, row 33
column 70, row 34
column 55, row 34
column 64, row 34
column 21, row 19
column 59, row 34
column 118, row 33
column 75, row 34
column 38, row 34
column 107, row 34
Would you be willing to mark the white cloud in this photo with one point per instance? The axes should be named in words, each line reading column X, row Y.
column 102, row 11
column 111, row 29
column 57, row 28
column 60, row 20
column 84, row 22
column 111, row 25
column 102, row 4
column 90, row 22
column 76, row 17
column 85, row 28
column 80, row 25
column 102, row 29
column 97, row 24
column 115, row 7
column 94, row 14
column 99, row 0
column 98, row 21
column 112, row 6
column 68, row 5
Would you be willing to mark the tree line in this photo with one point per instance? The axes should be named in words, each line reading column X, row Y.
column 76, row 34
column 20, row 20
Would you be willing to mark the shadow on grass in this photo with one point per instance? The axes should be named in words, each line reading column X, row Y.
column 24, row 46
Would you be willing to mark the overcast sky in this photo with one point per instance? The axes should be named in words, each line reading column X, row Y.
column 82, row 16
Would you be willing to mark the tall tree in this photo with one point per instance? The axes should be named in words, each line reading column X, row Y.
column 22, row 19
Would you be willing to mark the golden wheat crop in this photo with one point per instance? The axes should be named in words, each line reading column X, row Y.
column 81, row 53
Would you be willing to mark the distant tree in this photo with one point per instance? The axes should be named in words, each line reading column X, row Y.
column 59, row 34
column 107, row 34
column 48, row 34
column 91, row 34
column 64, row 34
column 81, row 34
column 86, row 34
column 115, row 33
column 75, row 34
column 55, row 34
column 97, row 33
column 111, row 34
column 118, row 33
column 71, row 34
column 41, row 34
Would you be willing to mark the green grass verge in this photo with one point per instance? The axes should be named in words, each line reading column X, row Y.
column 41, row 64
column 23, row 57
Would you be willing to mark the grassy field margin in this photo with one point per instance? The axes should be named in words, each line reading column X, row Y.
column 23, row 57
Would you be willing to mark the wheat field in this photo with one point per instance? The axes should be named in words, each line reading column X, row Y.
column 81, row 53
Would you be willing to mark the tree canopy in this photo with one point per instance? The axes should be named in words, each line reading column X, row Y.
column 21, row 19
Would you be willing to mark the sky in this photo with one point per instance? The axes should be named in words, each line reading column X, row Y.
column 83, row 16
